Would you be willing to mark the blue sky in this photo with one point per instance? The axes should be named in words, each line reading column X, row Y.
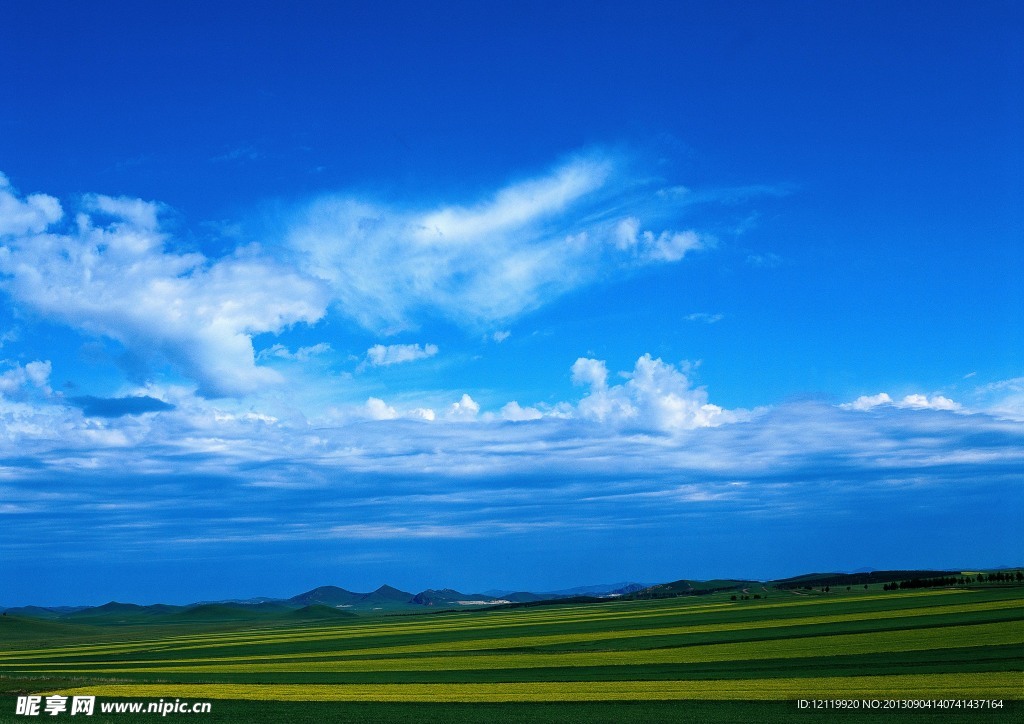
column 532, row 296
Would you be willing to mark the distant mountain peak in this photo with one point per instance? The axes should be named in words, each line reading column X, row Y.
column 389, row 593
column 326, row 596
column 326, row 590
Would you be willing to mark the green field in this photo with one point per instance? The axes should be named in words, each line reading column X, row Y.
column 695, row 658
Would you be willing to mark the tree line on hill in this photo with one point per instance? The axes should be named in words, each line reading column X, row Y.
column 997, row 577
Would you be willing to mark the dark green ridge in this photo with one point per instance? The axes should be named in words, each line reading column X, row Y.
column 390, row 600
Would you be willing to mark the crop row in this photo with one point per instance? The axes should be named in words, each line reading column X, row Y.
column 951, row 637
column 339, row 636
column 998, row 685
column 630, row 614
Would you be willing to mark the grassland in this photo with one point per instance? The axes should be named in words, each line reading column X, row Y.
column 704, row 658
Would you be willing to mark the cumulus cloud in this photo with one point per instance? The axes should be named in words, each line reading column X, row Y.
column 377, row 409
column 126, row 212
column 867, row 402
column 912, row 402
column 380, row 355
column 32, row 375
column 422, row 413
column 113, row 275
column 31, row 215
column 514, row 412
column 465, row 409
column 923, row 402
column 655, row 396
column 648, row 246
column 483, row 263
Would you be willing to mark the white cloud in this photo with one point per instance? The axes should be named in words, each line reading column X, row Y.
column 923, row 402
column 128, row 213
column 112, row 270
column 377, row 409
column 245, row 417
column 911, row 402
column 27, row 428
column 768, row 260
column 422, row 413
column 704, row 317
column 515, row 413
column 501, row 335
column 380, row 355
column 516, row 205
column 867, row 402
column 32, row 215
column 1015, row 384
column 479, row 264
column 34, row 374
column 302, row 354
column 655, row 396
column 667, row 246
column 465, row 409
column 474, row 471
column 118, row 280
column 593, row 372
column 1004, row 398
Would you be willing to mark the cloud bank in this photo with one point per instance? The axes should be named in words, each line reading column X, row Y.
column 915, row 401
column 466, row 474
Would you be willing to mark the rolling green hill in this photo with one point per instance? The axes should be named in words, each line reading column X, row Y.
column 327, row 596
column 855, row 579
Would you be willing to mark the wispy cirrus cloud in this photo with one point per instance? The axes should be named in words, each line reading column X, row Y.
column 704, row 317
column 490, row 261
column 1004, row 398
column 302, row 354
column 766, row 260
column 380, row 355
